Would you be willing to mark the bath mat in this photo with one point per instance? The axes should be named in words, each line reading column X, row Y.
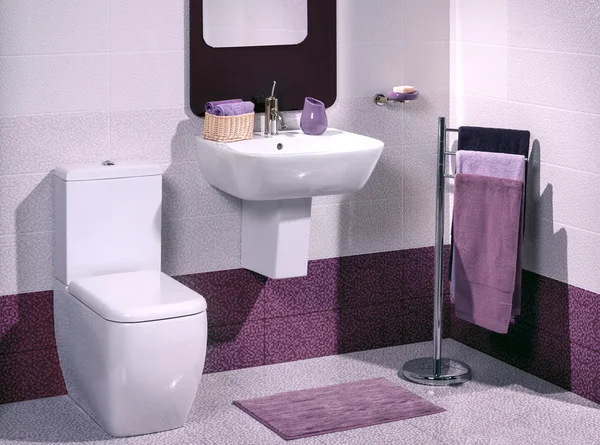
column 310, row 412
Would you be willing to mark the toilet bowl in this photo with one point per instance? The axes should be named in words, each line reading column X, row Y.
column 131, row 340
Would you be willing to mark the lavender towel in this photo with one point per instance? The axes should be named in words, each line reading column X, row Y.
column 497, row 165
column 211, row 105
column 310, row 412
column 485, row 264
column 233, row 109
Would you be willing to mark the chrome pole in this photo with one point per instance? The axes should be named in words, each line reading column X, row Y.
column 439, row 371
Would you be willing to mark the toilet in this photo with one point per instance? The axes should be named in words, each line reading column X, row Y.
column 131, row 340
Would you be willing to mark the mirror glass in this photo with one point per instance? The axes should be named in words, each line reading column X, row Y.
column 235, row 23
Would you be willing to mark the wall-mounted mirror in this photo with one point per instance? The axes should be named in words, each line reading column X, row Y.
column 239, row 47
column 230, row 23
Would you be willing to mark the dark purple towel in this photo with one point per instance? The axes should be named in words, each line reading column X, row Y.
column 310, row 412
column 487, row 214
column 211, row 105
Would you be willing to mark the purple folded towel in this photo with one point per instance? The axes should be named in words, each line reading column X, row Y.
column 497, row 165
column 233, row 109
column 211, row 105
column 487, row 211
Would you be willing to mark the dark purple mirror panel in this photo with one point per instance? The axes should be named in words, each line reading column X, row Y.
column 305, row 69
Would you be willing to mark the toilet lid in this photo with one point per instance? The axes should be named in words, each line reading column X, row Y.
column 135, row 297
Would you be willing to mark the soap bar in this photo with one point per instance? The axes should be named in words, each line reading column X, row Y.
column 404, row 89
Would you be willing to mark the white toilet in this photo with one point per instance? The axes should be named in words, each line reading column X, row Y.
column 131, row 340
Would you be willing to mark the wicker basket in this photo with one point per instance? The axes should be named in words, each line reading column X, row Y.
column 228, row 128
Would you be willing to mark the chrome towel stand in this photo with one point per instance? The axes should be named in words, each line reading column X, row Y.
column 438, row 371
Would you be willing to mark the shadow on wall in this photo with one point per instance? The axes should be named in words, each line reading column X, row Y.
column 538, row 341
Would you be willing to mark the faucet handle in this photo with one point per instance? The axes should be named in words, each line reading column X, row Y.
column 273, row 89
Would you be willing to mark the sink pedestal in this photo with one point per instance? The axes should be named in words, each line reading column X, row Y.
column 275, row 237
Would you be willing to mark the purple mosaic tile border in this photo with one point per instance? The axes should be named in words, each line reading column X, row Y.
column 344, row 304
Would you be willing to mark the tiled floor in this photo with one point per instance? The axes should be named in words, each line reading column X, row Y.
column 501, row 405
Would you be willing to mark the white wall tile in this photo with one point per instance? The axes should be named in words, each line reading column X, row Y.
column 562, row 252
column 361, row 115
column 26, row 262
column 561, row 80
column 36, row 144
column 421, row 118
column 369, row 22
column 481, row 22
column 566, row 138
column 356, row 228
column 53, row 84
column 365, row 69
column 555, row 25
column 567, row 196
column 147, row 80
column 426, row 20
column 481, row 111
column 197, row 245
column 187, row 195
column 53, row 27
column 163, row 135
column 484, row 70
column 426, row 66
column 26, row 203
column 148, row 26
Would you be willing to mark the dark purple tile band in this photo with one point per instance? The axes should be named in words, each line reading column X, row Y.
column 344, row 304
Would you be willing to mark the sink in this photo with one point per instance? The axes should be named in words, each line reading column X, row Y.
column 290, row 165
column 276, row 178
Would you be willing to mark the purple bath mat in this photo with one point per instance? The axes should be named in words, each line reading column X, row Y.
column 346, row 406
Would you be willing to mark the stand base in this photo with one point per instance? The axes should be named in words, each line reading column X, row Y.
column 420, row 370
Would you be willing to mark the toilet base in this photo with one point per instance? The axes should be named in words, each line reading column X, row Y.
column 131, row 378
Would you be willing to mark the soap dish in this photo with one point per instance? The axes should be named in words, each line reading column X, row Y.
column 381, row 99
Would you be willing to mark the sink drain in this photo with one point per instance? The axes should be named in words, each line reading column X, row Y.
column 279, row 146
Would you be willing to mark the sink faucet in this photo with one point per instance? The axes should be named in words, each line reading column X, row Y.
column 273, row 117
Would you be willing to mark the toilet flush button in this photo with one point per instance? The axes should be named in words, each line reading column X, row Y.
column 108, row 163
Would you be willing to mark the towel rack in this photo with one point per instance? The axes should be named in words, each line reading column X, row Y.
column 438, row 371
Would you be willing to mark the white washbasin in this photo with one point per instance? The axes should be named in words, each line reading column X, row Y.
column 304, row 166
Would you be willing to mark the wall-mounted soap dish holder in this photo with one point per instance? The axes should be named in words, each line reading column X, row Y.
column 392, row 97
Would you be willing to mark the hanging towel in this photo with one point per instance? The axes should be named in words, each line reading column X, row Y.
column 497, row 165
column 494, row 140
column 486, row 234
column 209, row 106
column 497, row 140
column 233, row 109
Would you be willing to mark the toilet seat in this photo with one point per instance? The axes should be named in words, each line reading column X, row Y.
column 135, row 297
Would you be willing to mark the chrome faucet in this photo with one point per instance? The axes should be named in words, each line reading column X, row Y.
column 273, row 117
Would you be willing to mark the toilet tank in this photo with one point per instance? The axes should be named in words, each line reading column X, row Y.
column 107, row 219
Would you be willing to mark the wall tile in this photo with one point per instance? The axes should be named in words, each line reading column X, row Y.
column 547, row 24
column 53, row 84
column 301, row 336
column 584, row 318
column 187, row 195
column 26, row 262
column 158, row 25
column 233, row 296
column 426, row 20
column 196, row 245
column 478, row 111
column 37, row 144
column 565, row 138
column 361, row 115
column 480, row 22
column 318, row 291
column 69, row 26
column 235, row 346
column 533, row 74
column 164, row 135
column 30, row 375
column 484, row 71
column 584, row 368
column 369, row 22
column 421, row 118
column 569, row 197
column 365, row 69
column 26, row 203
column 146, row 80
column 26, row 322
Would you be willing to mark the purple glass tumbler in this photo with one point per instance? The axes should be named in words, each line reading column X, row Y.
column 314, row 119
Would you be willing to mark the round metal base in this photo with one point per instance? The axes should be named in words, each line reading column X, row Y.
column 420, row 370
